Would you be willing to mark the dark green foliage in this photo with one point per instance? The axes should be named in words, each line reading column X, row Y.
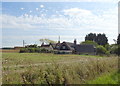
column 30, row 50
column 31, row 46
column 90, row 37
column 35, row 50
column 43, row 50
column 24, row 50
column 101, row 39
column 115, row 49
column 107, row 46
column 118, row 40
column 101, row 50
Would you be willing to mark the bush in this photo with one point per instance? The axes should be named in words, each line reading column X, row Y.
column 107, row 46
column 43, row 50
column 101, row 50
column 114, row 49
column 37, row 50
column 31, row 46
column 89, row 42
column 24, row 50
column 31, row 50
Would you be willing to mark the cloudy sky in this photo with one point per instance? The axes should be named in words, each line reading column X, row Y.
column 31, row 21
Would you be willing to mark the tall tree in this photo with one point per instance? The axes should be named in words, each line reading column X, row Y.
column 101, row 39
column 118, row 40
column 90, row 37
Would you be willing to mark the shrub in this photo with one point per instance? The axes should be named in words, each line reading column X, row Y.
column 101, row 50
column 37, row 50
column 31, row 46
column 31, row 50
column 89, row 42
column 24, row 50
column 43, row 50
column 107, row 46
column 114, row 49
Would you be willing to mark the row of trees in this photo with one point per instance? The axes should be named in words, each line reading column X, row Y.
column 100, row 39
column 101, row 42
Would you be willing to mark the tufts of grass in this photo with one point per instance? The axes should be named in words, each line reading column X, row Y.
column 109, row 78
column 69, row 71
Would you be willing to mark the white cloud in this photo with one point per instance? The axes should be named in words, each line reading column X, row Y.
column 76, row 11
column 78, row 21
column 37, row 9
column 42, row 6
column 22, row 8
column 30, row 11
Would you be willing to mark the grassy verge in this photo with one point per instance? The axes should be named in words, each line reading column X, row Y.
column 109, row 78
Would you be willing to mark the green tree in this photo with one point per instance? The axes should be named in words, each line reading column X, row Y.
column 101, row 50
column 90, row 37
column 101, row 39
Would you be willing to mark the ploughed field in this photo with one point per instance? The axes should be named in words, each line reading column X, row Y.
column 47, row 68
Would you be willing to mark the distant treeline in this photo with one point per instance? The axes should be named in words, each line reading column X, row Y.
column 101, row 42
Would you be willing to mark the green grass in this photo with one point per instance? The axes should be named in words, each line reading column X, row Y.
column 109, row 78
column 33, row 58
column 66, row 68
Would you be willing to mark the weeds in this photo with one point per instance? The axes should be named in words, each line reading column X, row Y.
column 77, row 73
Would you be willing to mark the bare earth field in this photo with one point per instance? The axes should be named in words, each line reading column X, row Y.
column 9, row 51
column 41, row 68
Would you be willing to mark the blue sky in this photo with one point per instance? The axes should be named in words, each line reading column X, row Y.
column 31, row 21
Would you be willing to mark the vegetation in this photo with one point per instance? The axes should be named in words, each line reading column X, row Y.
column 101, row 50
column 35, row 50
column 109, row 78
column 47, row 68
column 100, row 39
column 90, row 37
column 11, row 59
column 89, row 42
column 101, row 43
column 19, row 68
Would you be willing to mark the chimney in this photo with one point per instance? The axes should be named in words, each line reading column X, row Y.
column 75, row 42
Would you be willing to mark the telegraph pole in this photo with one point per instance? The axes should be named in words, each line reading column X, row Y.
column 59, row 40
column 23, row 43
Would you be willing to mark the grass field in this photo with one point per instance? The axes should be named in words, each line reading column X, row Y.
column 34, row 58
column 47, row 68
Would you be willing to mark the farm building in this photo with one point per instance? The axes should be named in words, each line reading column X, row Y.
column 69, row 48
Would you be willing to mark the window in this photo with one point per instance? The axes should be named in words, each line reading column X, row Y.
column 63, row 47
